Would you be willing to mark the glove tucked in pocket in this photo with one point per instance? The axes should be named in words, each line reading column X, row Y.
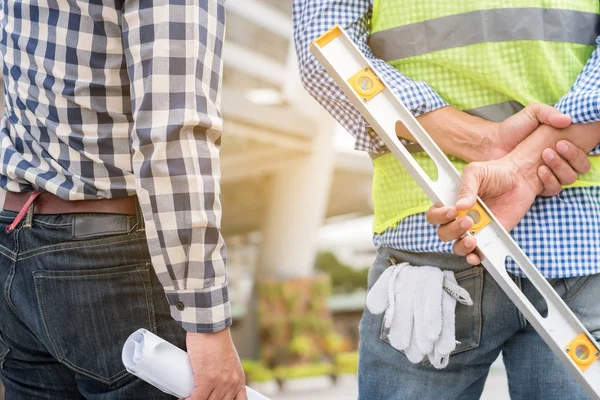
column 419, row 304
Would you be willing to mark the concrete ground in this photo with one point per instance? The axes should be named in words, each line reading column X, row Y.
column 496, row 388
column 346, row 388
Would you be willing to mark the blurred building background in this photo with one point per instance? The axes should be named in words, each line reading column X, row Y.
column 288, row 168
column 297, row 204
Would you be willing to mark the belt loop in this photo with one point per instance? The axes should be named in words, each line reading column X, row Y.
column 139, row 217
column 27, row 209
column 29, row 218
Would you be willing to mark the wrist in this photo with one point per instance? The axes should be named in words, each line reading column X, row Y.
column 525, row 165
column 491, row 143
column 209, row 335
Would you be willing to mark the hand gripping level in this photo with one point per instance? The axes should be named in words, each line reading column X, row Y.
column 560, row 328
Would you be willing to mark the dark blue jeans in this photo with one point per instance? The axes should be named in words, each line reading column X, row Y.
column 73, row 288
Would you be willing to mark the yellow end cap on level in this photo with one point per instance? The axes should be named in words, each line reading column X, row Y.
column 479, row 216
column 583, row 352
column 328, row 36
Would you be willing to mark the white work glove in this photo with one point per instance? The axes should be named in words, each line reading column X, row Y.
column 419, row 305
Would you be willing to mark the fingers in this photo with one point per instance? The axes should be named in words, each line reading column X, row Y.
column 474, row 258
column 455, row 229
column 441, row 215
column 552, row 186
column 229, row 386
column 450, row 228
column 464, row 246
column 237, row 394
column 576, row 157
column 200, row 394
column 222, row 395
column 241, row 395
column 560, row 168
column 467, row 247
column 471, row 180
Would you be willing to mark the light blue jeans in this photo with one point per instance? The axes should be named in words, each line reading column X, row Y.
column 493, row 324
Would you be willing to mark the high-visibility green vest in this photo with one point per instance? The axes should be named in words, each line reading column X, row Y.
column 485, row 57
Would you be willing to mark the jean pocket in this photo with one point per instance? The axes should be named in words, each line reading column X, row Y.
column 88, row 315
column 467, row 318
column 569, row 288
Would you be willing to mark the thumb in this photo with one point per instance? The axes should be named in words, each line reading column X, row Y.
column 471, row 181
column 559, row 120
column 549, row 115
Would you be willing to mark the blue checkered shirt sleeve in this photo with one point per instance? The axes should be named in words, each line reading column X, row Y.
column 582, row 102
column 311, row 19
column 173, row 54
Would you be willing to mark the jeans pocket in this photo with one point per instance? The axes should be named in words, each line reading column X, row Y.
column 88, row 315
column 569, row 288
column 467, row 318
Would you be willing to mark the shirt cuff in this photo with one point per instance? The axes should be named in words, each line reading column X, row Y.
column 430, row 100
column 202, row 311
column 583, row 107
column 418, row 97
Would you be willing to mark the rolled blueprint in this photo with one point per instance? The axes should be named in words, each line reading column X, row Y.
column 163, row 365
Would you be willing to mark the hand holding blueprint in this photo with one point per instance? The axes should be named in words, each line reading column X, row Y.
column 163, row 365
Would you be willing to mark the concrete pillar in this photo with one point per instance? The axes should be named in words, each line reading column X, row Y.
column 298, row 195
column 297, row 205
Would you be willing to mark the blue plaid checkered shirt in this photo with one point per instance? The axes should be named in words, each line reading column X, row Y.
column 115, row 98
column 561, row 234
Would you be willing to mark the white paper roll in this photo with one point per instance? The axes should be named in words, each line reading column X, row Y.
column 163, row 365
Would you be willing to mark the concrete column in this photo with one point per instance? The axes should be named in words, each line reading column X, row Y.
column 297, row 205
column 298, row 195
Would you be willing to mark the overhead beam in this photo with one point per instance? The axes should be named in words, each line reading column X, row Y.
column 263, row 15
column 252, row 63
column 282, row 119
column 270, row 139
column 234, row 170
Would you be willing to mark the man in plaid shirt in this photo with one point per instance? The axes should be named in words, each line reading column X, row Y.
column 109, row 152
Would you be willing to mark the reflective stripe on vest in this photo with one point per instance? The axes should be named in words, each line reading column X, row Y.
column 496, row 112
column 484, row 26
column 487, row 58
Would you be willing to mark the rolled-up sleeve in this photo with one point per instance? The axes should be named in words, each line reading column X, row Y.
column 312, row 18
column 582, row 102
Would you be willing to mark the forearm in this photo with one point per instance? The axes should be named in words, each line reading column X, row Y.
column 456, row 133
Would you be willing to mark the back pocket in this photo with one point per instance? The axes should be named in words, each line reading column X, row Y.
column 88, row 315
column 468, row 318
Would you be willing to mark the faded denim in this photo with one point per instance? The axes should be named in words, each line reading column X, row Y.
column 67, row 304
column 492, row 325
